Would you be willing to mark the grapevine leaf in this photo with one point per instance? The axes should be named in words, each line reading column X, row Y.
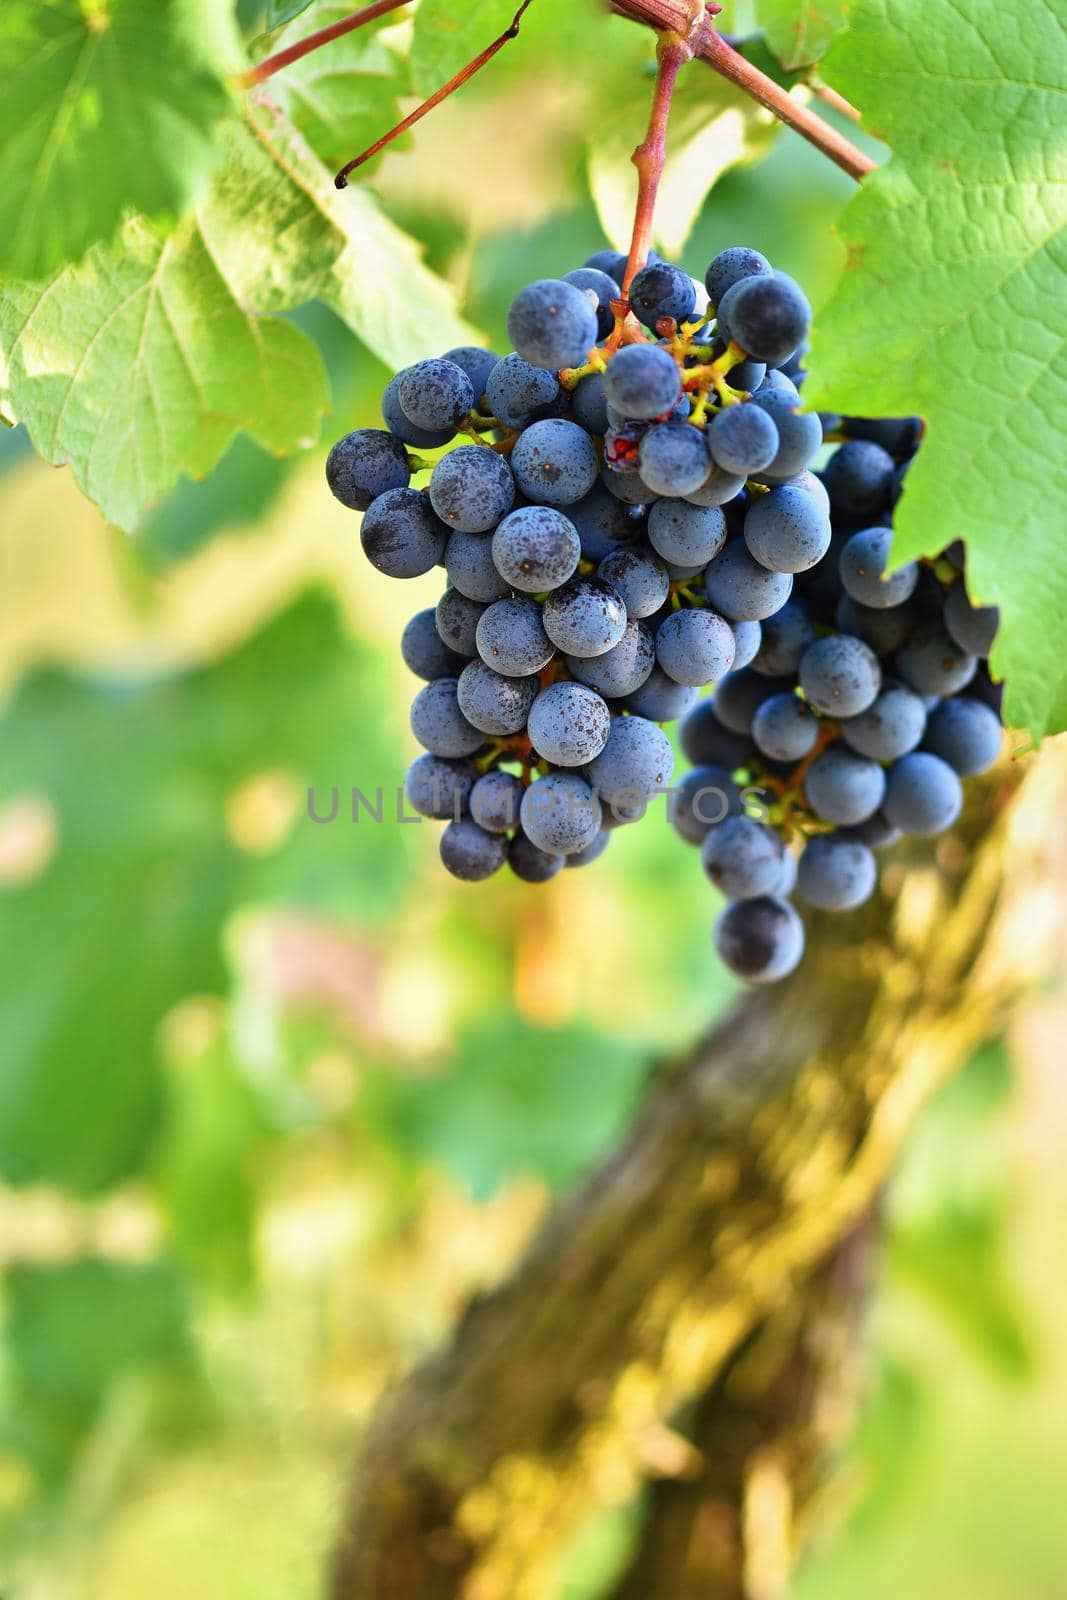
column 141, row 363
column 954, row 306
column 105, row 108
column 147, row 868
column 342, row 98
column 144, row 361
column 447, row 36
column 800, row 31
column 262, row 17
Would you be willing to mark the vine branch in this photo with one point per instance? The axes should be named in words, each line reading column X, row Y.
column 709, row 46
column 314, row 41
column 449, row 88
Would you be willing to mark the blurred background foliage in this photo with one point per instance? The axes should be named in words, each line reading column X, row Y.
column 277, row 1097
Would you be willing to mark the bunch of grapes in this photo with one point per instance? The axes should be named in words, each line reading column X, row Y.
column 633, row 516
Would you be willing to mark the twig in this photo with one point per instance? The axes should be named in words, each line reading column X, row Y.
column 314, row 41
column 671, row 55
column 838, row 101
column 454, row 83
column 710, row 47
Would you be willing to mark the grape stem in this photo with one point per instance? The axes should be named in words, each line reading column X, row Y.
column 446, row 89
column 709, row 46
column 314, row 41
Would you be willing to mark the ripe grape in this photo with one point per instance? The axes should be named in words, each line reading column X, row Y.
column 365, row 464
column 401, row 535
column 552, row 324
column 472, row 488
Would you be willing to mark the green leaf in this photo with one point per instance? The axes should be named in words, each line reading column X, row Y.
column 515, row 1099
column 144, row 361
column 106, row 107
column 800, row 31
column 126, row 918
column 259, row 17
column 447, row 36
column 341, row 98
column 954, row 306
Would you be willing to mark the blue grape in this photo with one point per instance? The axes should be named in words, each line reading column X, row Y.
column 401, row 535
column 635, row 764
column 786, row 530
column 889, row 728
column 673, row 458
column 628, row 487
column 859, row 477
column 471, row 569
column 743, row 858
column 932, row 662
column 425, row 652
column 706, row 741
column 799, row 432
column 603, row 289
column 493, row 703
column 843, row 787
column 560, row 813
column 471, row 488
column 972, row 627
column 742, row 589
column 748, row 642
column 685, row 534
column 730, row 266
column 877, row 832
column 478, row 364
column 511, row 639
column 613, row 262
column 554, row 462
column 659, row 291
column 760, row 940
column 718, row 489
column 435, row 394
column 785, row 637
column 456, row 619
column 695, row 647
column 536, row 548
column 622, row 445
column 836, row 873
column 885, row 631
column 642, row 381
column 620, row 671
column 739, row 696
column 965, row 733
column 767, row 314
column 639, row 577
column 604, row 524
column 438, row 788
column 494, row 801
column 863, row 564
column 589, row 403
column 471, row 853
column 840, row 675
column 519, row 394
column 901, row 436
column 705, row 797
column 591, row 853
column 403, row 428
column 784, row 728
column 531, row 864
column 568, row 724
column 923, row 794
column 438, row 723
column 552, row 324
column 743, row 439
column 585, row 617
column 365, row 464
column 660, row 699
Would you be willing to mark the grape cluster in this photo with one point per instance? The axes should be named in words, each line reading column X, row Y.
column 632, row 516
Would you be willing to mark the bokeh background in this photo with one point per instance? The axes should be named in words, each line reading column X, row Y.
column 276, row 1098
